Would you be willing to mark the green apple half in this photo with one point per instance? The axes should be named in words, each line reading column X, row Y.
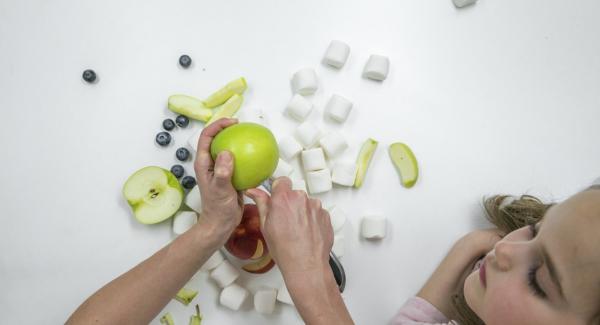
column 254, row 150
column 153, row 193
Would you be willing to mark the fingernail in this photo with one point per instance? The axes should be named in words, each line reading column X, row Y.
column 224, row 156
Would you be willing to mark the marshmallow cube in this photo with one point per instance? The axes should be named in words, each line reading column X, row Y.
column 304, row 82
column 213, row 261
column 307, row 134
column 299, row 107
column 253, row 115
column 225, row 274
column 336, row 54
column 289, row 148
column 193, row 199
column 193, row 140
column 264, row 301
column 344, row 174
column 298, row 185
column 338, row 245
column 183, row 221
column 338, row 108
column 283, row 169
column 377, row 67
column 337, row 217
column 283, row 295
column 373, row 227
column 233, row 296
column 318, row 181
column 313, row 159
column 333, row 144
column 463, row 3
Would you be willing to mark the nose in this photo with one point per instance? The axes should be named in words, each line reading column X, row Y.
column 504, row 252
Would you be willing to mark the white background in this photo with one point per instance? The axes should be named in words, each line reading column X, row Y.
column 500, row 97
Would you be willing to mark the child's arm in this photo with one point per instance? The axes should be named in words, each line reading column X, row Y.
column 450, row 274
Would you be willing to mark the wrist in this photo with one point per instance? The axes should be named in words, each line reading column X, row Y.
column 213, row 234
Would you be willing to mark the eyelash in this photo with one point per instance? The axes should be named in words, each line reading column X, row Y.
column 533, row 284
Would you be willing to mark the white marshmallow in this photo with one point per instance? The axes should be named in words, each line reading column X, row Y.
column 193, row 199
column 318, row 181
column 193, row 140
column 213, row 261
column 298, row 185
column 344, row 173
column 304, row 82
column 596, row 182
column 283, row 169
column 289, row 148
column 307, row 134
column 264, row 301
column 283, row 295
column 336, row 54
column 338, row 108
column 377, row 67
column 233, row 296
column 337, row 217
column 313, row 159
column 463, row 3
column 183, row 221
column 224, row 274
column 338, row 245
column 333, row 144
column 253, row 115
column 298, row 107
column 373, row 227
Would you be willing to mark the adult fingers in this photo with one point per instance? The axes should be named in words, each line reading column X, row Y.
column 223, row 169
column 204, row 162
column 262, row 200
column 281, row 184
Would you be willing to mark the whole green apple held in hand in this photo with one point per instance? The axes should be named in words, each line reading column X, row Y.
column 254, row 151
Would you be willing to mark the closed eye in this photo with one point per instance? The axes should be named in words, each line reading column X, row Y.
column 531, row 275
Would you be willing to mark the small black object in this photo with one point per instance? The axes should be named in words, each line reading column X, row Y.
column 168, row 124
column 177, row 170
column 185, row 61
column 89, row 76
column 188, row 182
column 163, row 138
column 182, row 154
column 182, row 121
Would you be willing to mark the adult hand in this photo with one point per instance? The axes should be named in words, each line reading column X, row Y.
column 222, row 205
column 296, row 228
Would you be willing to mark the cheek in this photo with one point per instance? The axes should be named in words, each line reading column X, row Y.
column 473, row 292
column 506, row 303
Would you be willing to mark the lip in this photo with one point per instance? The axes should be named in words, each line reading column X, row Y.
column 482, row 277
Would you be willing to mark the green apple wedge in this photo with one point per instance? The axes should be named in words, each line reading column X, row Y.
column 190, row 107
column 196, row 319
column 405, row 162
column 231, row 106
column 153, row 193
column 185, row 296
column 364, row 159
column 167, row 319
column 237, row 86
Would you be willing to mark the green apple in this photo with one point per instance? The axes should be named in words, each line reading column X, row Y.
column 153, row 193
column 190, row 107
column 364, row 159
column 185, row 296
column 231, row 106
column 254, row 151
column 237, row 86
column 196, row 319
column 167, row 319
column 405, row 162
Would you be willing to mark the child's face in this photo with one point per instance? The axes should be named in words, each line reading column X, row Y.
column 520, row 271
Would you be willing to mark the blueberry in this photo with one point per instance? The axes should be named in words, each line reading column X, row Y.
column 182, row 154
column 89, row 75
column 185, row 61
column 168, row 124
column 177, row 170
column 182, row 121
column 188, row 182
column 163, row 138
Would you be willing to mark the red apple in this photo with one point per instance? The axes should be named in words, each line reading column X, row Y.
column 263, row 265
column 246, row 241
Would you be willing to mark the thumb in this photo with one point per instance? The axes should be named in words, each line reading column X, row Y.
column 262, row 200
column 223, row 168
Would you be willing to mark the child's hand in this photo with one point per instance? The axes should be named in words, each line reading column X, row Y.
column 222, row 205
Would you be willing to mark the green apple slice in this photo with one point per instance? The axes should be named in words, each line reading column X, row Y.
column 190, row 107
column 405, row 162
column 237, row 86
column 196, row 319
column 185, row 296
column 153, row 193
column 364, row 159
column 231, row 106
column 167, row 319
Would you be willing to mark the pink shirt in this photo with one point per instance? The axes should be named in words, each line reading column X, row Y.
column 417, row 310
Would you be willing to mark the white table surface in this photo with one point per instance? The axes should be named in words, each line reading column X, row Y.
column 501, row 97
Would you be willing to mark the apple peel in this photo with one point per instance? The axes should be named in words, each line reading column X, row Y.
column 405, row 162
column 263, row 265
column 228, row 110
column 167, row 319
column 196, row 319
column 185, row 296
column 364, row 159
column 237, row 86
